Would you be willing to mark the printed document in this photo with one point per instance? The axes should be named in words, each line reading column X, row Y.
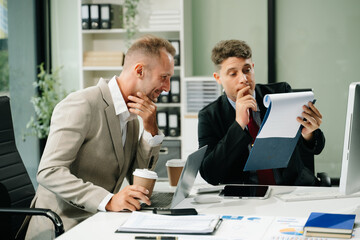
column 155, row 223
column 283, row 108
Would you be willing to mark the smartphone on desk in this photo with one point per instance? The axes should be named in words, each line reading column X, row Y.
column 177, row 211
column 246, row 191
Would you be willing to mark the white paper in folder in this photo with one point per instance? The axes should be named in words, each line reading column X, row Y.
column 155, row 223
column 279, row 131
column 282, row 113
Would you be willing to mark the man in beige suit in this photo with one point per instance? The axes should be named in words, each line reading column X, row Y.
column 94, row 141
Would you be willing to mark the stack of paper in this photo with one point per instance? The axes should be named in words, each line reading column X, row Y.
column 100, row 58
column 154, row 223
column 161, row 19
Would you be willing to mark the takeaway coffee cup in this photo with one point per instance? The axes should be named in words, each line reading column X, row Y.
column 174, row 168
column 145, row 178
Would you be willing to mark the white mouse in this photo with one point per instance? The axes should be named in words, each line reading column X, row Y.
column 208, row 199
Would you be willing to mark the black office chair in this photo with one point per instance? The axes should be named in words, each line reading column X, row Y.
column 16, row 189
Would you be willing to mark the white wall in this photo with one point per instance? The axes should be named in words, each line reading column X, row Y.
column 66, row 41
column 215, row 20
column 318, row 46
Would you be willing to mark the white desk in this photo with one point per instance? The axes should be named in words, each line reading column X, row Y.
column 103, row 225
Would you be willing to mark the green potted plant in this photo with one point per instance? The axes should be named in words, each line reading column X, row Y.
column 4, row 71
column 131, row 25
column 49, row 94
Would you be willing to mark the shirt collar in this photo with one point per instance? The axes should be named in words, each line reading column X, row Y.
column 119, row 102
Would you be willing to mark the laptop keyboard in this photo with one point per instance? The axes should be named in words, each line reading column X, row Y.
column 160, row 200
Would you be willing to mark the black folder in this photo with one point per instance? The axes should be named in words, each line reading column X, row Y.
column 175, row 89
column 85, row 16
column 162, row 120
column 164, row 97
column 176, row 45
column 94, row 16
column 111, row 16
column 105, row 14
column 174, row 122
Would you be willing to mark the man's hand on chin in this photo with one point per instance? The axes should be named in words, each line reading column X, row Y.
column 244, row 102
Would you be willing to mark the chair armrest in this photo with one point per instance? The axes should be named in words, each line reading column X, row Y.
column 59, row 227
column 325, row 180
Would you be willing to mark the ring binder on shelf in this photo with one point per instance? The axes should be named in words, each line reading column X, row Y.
column 175, row 89
column 174, row 123
column 176, row 45
column 162, row 120
column 94, row 16
column 85, row 16
column 164, row 97
column 111, row 16
column 105, row 16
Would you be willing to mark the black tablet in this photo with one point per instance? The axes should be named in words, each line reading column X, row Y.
column 246, row 191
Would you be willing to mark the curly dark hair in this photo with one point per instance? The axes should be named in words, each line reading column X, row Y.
column 230, row 48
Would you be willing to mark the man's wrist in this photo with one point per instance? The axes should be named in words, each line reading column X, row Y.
column 308, row 137
column 103, row 204
column 242, row 125
column 153, row 140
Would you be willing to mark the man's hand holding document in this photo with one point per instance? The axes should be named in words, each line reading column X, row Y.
column 279, row 131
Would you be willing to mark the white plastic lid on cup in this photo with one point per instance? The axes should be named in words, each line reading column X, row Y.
column 175, row 163
column 145, row 173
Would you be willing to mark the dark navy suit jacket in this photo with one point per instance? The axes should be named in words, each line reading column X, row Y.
column 228, row 144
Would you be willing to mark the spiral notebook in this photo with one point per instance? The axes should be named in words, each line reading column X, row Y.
column 155, row 223
column 279, row 131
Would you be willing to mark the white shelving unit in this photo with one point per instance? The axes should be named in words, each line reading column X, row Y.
column 108, row 40
column 69, row 42
column 112, row 40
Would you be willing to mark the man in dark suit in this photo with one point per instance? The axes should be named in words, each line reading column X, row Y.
column 227, row 124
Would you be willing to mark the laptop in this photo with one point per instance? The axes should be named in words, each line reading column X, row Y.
column 186, row 182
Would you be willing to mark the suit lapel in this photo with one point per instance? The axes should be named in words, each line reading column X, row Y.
column 113, row 122
column 229, row 116
column 260, row 101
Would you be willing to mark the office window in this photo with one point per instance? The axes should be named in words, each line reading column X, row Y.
column 4, row 53
column 22, row 61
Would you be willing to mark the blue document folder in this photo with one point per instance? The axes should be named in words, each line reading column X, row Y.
column 279, row 131
column 270, row 153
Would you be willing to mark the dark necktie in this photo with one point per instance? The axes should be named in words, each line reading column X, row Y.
column 266, row 176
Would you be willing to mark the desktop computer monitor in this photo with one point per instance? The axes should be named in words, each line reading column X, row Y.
column 350, row 169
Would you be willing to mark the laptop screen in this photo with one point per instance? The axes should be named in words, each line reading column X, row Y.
column 188, row 176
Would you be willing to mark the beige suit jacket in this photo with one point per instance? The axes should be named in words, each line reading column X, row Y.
column 84, row 159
